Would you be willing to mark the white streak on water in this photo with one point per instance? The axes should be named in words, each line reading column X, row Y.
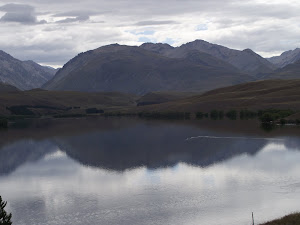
column 243, row 138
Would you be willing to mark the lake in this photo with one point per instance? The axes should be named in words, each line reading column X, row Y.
column 126, row 171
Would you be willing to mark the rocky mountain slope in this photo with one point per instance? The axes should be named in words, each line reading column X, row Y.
column 191, row 55
column 24, row 75
column 286, row 58
column 136, row 70
column 290, row 71
column 246, row 61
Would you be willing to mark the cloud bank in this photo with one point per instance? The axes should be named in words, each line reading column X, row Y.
column 53, row 32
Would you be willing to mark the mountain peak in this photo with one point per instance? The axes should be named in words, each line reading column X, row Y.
column 286, row 58
column 156, row 47
column 23, row 74
column 250, row 51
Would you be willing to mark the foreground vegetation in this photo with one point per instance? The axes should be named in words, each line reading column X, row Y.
column 293, row 219
column 5, row 218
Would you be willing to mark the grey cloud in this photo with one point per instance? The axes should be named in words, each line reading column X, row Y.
column 153, row 23
column 77, row 13
column 19, row 17
column 76, row 19
column 12, row 8
column 19, row 13
column 260, row 25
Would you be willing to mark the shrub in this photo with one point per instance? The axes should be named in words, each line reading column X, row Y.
column 165, row 115
column 247, row 114
column 232, row 114
column 69, row 115
column 282, row 121
column 267, row 118
column 214, row 114
column 199, row 115
column 5, row 219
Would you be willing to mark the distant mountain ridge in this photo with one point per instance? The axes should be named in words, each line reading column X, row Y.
column 290, row 71
column 286, row 58
column 153, row 67
column 246, row 61
column 136, row 70
column 24, row 75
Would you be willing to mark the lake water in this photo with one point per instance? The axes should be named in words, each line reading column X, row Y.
column 135, row 172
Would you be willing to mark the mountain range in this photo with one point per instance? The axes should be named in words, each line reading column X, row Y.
column 286, row 58
column 24, row 75
column 246, row 61
column 197, row 66
column 135, row 70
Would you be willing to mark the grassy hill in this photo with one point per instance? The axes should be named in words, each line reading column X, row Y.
column 7, row 88
column 293, row 219
column 163, row 96
column 259, row 95
column 279, row 94
column 53, row 102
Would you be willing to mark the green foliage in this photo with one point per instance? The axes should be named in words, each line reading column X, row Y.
column 69, row 115
column 199, row 115
column 283, row 121
column 215, row 114
column 232, row 114
column 247, row 114
column 5, row 219
column 271, row 115
column 268, row 117
column 165, row 115
column 3, row 123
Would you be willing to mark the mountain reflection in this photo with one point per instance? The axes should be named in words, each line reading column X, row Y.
column 146, row 172
column 142, row 144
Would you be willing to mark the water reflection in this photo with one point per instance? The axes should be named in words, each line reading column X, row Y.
column 150, row 174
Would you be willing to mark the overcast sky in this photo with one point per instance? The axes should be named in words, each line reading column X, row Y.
column 51, row 32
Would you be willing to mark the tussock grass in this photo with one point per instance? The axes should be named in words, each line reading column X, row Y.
column 293, row 219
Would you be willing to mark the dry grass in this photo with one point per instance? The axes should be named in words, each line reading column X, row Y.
column 293, row 219
column 279, row 94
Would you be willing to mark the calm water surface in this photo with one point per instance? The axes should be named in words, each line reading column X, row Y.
column 134, row 172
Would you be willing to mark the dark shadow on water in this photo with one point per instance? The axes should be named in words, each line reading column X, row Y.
column 121, row 143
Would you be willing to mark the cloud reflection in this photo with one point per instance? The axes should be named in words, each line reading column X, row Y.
column 66, row 192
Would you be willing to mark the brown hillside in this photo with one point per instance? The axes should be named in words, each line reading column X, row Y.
column 65, row 99
column 280, row 94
